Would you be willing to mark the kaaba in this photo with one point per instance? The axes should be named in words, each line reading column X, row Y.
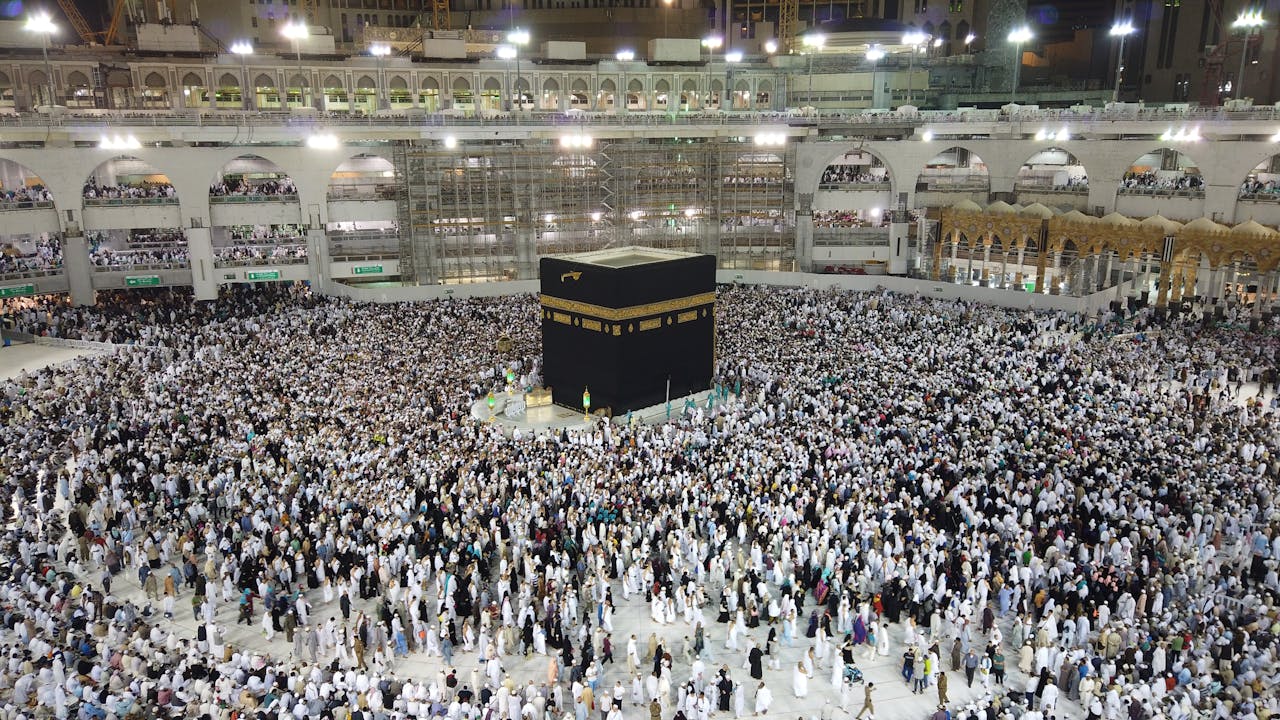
column 623, row 322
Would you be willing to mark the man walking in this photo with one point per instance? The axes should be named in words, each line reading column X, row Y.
column 867, row 707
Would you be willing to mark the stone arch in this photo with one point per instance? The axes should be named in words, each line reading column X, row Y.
column 14, row 174
column 398, row 82
column 333, row 82
column 635, row 86
column 250, row 171
column 298, row 81
column 365, row 83
column 1162, row 160
column 430, row 83
column 77, row 79
column 579, row 86
column 228, row 80
column 550, row 85
column 859, row 157
column 361, row 175
column 461, row 84
column 491, row 83
column 192, row 80
column 608, row 85
column 5, row 82
column 264, row 81
column 1263, row 181
column 128, row 169
column 1048, row 158
column 955, row 157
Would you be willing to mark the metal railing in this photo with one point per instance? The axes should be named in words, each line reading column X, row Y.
column 26, row 205
column 369, row 191
column 245, row 262
column 1161, row 192
column 1269, row 197
column 457, row 118
column 128, row 201
column 135, row 267
column 232, row 199
column 367, row 257
column 856, row 186
column 1051, row 188
column 851, row 237
column 27, row 274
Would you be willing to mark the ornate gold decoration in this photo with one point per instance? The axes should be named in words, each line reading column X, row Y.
column 685, row 317
column 590, row 324
column 628, row 313
column 650, row 324
column 575, row 275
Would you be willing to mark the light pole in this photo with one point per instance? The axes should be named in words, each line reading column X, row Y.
column 1249, row 22
column 42, row 25
column 1018, row 36
column 296, row 31
column 244, row 49
column 874, row 54
column 914, row 40
column 380, row 51
column 666, row 18
column 1123, row 31
column 711, row 43
column 968, row 42
column 507, row 52
column 815, row 44
column 624, row 57
column 518, row 38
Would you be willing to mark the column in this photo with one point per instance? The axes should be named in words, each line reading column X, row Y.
column 1163, row 283
column 1022, row 253
column 204, row 277
column 526, row 250
column 1106, row 273
column 75, row 261
column 899, row 239
column 955, row 258
column 804, row 239
column 986, row 262
column 318, row 259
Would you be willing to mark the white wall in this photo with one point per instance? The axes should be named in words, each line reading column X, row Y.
column 126, row 217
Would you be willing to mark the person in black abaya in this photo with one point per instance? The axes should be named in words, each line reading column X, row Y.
column 725, row 685
column 756, row 658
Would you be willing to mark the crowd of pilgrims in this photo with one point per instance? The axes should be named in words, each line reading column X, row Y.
column 141, row 190
column 25, row 195
column 243, row 186
column 44, row 253
column 1152, row 181
column 1084, row 522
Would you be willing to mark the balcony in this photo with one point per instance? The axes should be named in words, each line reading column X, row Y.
column 129, row 213
column 226, row 210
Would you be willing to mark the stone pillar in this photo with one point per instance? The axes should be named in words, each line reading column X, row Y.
column 804, row 232
column 1163, row 285
column 526, row 251
column 204, row 277
column 986, row 263
column 1022, row 254
column 1057, row 267
column 318, row 259
column 75, row 262
column 899, row 240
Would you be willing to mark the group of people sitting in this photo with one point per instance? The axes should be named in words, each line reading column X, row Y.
column 277, row 505
column 848, row 219
column 853, row 175
column 1256, row 186
column 42, row 254
column 25, row 196
column 140, row 190
column 254, row 187
column 1152, row 181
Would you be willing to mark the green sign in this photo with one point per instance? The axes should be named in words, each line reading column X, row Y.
column 367, row 270
column 1030, row 286
column 17, row 290
column 142, row 280
column 263, row 275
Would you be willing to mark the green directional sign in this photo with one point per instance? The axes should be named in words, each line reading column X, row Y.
column 141, row 280
column 263, row 275
column 367, row 270
column 17, row 290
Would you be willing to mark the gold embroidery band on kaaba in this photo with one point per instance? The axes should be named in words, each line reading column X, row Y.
column 628, row 313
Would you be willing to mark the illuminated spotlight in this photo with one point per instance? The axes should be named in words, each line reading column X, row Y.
column 1276, row 137
column 875, row 212
column 506, row 52
column 771, row 46
column 1040, row 134
column 770, row 139
column 690, row 212
column 576, row 141
column 549, row 217
column 119, row 143
column 1194, row 135
column 595, row 216
column 927, row 136
column 636, row 214
column 1063, row 135
column 323, row 141
column 451, row 142
column 1167, row 135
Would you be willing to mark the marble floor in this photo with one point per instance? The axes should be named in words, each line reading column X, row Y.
column 23, row 357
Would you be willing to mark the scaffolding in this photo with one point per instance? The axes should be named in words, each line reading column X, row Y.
column 486, row 211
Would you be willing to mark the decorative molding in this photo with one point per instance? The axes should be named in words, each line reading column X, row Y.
column 628, row 313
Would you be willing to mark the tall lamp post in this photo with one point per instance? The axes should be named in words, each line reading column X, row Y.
column 244, row 49
column 380, row 51
column 1018, row 36
column 814, row 43
column 296, row 32
column 42, row 25
column 711, row 43
column 1123, row 31
column 914, row 40
column 874, row 55
column 624, row 57
column 666, row 18
column 516, row 39
column 507, row 52
column 1250, row 22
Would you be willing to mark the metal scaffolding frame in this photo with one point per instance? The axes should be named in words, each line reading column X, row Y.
column 487, row 210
